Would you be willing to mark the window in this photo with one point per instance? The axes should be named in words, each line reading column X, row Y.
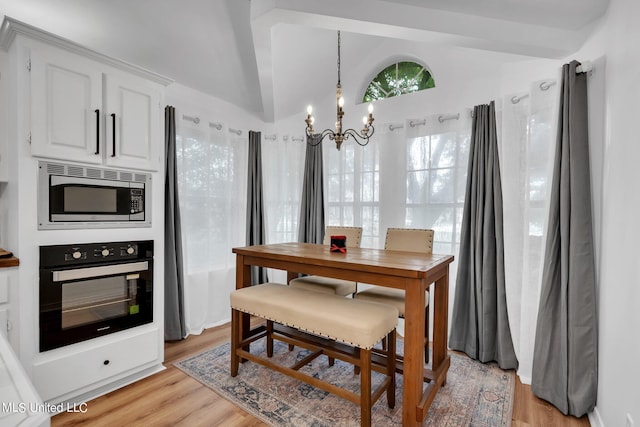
column 353, row 189
column 398, row 79
column 283, row 168
column 435, row 183
column 212, row 194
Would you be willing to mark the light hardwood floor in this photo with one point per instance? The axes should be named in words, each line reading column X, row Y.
column 171, row 398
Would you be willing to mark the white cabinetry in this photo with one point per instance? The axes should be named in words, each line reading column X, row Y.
column 89, row 112
column 66, row 102
column 133, row 130
column 4, row 105
column 58, row 376
column 5, row 282
column 54, row 88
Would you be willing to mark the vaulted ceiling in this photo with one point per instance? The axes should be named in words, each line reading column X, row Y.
column 267, row 56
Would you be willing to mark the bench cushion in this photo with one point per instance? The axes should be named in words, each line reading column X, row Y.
column 358, row 323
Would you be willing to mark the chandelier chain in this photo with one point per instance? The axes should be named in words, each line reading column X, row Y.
column 338, row 58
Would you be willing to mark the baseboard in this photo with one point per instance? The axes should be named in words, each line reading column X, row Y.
column 594, row 418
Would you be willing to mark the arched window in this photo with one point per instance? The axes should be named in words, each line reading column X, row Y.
column 398, row 79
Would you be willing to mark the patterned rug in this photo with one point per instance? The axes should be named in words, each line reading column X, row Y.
column 476, row 394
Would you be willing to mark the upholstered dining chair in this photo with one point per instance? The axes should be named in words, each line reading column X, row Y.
column 405, row 240
column 326, row 284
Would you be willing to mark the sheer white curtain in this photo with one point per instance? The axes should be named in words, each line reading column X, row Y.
column 352, row 177
column 212, row 177
column 283, row 164
column 526, row 155
column 437, row 155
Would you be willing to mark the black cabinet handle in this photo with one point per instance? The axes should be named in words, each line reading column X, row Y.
column 113, row 134
column 97, row 132
column 106, row 362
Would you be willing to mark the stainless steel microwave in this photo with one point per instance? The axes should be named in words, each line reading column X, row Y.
column 71, row 196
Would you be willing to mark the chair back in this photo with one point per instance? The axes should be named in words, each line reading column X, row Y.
column 354, row 234
column 409, row 240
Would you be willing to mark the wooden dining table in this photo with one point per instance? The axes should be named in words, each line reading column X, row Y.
column 413, row 272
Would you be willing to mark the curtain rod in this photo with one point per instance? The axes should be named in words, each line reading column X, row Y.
column 585, row 67
column 444, row 117
column 195, row 120
column 272, row 137
column 297, row 138
column 236, row 131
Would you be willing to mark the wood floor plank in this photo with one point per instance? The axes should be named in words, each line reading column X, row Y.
column 172, row 398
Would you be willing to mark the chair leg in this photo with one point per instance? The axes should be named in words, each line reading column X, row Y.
column 235, row 341
column 269, row 338
column 426, row 334
column 391, row 369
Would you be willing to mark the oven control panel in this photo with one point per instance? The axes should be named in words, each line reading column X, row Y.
column 86, row 253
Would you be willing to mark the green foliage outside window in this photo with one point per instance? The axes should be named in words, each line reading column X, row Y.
column 398, row 79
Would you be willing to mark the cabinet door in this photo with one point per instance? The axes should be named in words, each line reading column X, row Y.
column 133, row 122
column 4, row 119
column 66, row 91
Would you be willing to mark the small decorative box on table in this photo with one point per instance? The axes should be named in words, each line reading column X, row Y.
column 338, row 244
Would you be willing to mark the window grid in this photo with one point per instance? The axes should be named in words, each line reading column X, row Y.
column 436, row 178
column 353, row 178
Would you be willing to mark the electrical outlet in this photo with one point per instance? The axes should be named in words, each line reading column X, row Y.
column 629, row 421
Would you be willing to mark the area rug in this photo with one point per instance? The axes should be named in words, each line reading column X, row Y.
column 476, row 394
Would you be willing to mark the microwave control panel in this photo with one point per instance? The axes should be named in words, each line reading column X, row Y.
column 137, row 200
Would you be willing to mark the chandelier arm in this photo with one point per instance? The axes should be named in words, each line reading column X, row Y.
column 316, row 138
column 362, row 140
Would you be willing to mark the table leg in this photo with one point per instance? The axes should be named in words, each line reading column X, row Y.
column 413, row 352
column 441, row 320
column 243, row 280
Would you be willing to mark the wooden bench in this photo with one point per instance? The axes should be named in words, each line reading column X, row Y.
column 341, row 328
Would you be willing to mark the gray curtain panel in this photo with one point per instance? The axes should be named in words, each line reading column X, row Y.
column 565, row 358
column 311, row 226
column 174, row 322
column 480, row 324
column 255, row 204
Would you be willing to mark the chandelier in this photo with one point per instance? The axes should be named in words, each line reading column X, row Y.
column 338, row 135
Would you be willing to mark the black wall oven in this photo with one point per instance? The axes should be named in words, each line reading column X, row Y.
column 90, row 290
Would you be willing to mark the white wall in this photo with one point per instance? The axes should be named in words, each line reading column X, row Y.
column 617, row 216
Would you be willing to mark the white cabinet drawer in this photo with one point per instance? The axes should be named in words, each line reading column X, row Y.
column 74, row 371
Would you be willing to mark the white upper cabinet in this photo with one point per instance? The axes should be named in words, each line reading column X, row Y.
column 66, row 106
column 89, row 113
column 83, row 106
column 133, row 125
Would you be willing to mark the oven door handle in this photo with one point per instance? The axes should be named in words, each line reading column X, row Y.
column 105, row 270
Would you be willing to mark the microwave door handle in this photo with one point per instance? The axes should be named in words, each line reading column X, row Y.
column 97, row 111
column 103, row 270
column 113, row 134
